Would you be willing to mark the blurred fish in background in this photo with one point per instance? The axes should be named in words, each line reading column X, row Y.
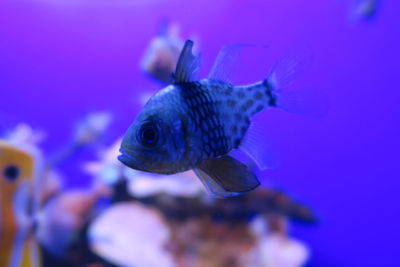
column 18, row 167
column 34, row 209
column 366, row 9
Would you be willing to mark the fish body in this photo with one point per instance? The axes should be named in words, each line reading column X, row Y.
column 195, row 124
column 209, row 119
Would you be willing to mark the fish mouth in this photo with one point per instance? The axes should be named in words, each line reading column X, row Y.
column 127, row 159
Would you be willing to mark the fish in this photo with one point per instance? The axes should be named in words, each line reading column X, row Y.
column 34, row 210
column 17, row 182
column 194, row 124
column 366, row 9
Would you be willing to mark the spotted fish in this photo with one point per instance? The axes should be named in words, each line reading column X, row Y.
column 195, row 124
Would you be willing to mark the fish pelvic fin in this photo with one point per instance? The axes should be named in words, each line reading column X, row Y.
column 226, row 177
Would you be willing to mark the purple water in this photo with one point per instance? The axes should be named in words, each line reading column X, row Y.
column 60, row 59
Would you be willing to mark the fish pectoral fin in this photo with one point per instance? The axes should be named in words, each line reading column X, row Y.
column 226, row 177
column 187, row 68
column 259, row 145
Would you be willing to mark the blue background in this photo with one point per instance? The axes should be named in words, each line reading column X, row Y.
column 60, row 59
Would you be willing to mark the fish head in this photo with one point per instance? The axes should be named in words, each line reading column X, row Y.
column 16, row 166
column 17, row 169
column 155, row 142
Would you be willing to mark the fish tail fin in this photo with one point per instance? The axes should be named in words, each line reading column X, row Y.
column 308, row 102
column 276, row 91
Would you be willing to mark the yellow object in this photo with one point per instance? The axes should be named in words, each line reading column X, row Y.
column 17, row 169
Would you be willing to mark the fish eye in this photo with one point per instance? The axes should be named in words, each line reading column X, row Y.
column 11, row 172
column 148, row 134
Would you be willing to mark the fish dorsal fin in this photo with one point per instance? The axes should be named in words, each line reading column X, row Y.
column 226, row 176
column 229, row 60
column 187, row 69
